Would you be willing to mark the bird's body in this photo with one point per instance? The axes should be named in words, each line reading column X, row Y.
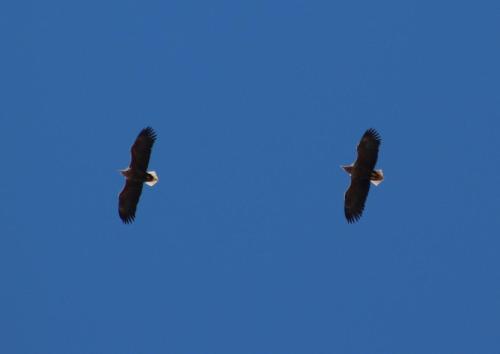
column 136, row 175
column 362, row 173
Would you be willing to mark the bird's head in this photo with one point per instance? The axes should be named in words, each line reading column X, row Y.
column 124, row 172
column 347, row 168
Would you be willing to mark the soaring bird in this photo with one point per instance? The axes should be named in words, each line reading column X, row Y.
column 136, row 174
column 362, row 173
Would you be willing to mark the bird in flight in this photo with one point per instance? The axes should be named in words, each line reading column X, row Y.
column 136, row 175
column 362, row 172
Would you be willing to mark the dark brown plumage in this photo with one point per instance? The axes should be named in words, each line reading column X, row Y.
column 362, row 173
column 136, row 175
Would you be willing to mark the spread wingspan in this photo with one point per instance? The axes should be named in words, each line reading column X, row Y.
column 362, row 171
column 136, row 175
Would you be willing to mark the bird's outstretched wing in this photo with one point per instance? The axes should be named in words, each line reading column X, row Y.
column 141, row 150
column 368, row 150
column 127, row 203
column 355, row 198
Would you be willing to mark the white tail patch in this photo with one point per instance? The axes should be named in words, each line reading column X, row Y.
column 155, row 179
column 378, row 178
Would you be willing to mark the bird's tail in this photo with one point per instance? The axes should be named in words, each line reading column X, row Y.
column 377, row 177
column 154, row 180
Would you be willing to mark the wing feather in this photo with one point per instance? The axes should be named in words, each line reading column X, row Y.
column 368, row 150
column 129, row 197
column 355, row 198
column 141, row 150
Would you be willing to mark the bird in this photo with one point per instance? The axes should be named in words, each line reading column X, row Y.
column 362, row 172
column 136, row 175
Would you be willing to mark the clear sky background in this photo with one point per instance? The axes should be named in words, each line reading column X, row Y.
column 242, row 247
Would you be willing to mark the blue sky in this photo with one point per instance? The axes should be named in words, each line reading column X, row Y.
column 242, row 247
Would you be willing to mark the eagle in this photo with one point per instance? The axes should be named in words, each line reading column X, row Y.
column 136, row 175
column 362, row 172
